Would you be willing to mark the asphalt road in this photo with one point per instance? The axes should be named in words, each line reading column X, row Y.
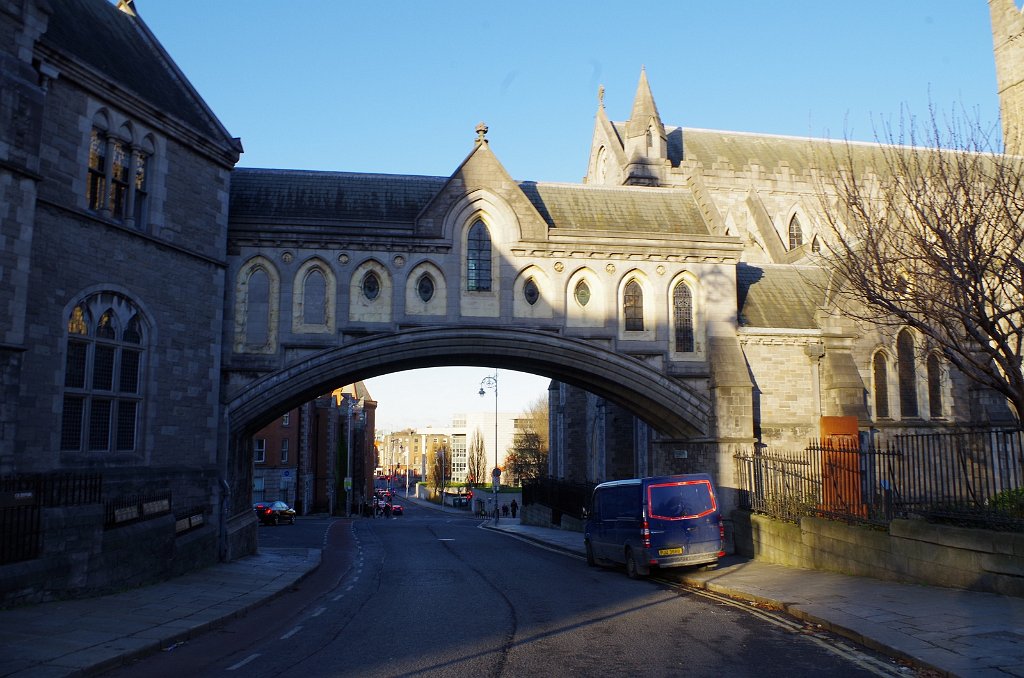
column 432, row 594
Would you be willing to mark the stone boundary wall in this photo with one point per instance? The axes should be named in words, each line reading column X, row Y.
column 911, row 551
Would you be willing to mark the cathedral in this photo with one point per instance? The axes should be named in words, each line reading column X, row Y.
column 164, row 304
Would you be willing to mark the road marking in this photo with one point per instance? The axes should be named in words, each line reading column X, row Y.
column 319, row 611
column 291, row 633
column 445, row 539
column 338, row 597
column 243, row 662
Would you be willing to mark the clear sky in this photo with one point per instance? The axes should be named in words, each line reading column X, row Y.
column 398, row 87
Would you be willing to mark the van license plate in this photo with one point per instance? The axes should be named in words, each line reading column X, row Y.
column 670, row 552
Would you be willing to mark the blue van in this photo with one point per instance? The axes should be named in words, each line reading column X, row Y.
column 644, row 523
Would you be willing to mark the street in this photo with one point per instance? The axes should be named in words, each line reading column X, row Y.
column 434, row 594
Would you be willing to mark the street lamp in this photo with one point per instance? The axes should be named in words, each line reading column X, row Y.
column 492, row 383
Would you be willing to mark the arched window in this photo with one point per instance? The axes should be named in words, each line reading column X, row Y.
column 102, row 376
column 531, row 292
column 425, row 288
column 881, row 374
column 314, row 298
column 816, row 245
column 97, row 186
column 934, row 387
column 796, row 234
column 907, row 373
column 633, row 306
column 478, row 259
column 257, row 318
column 682, row 309
column 582, row 293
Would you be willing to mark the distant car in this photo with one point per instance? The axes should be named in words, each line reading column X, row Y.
column 274, row 512
column 397, row 510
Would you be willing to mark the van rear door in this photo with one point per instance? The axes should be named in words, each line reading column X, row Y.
column 683, row 515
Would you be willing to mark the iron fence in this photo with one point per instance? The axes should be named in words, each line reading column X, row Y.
column 561, row 496
column 22, row 498
column 968, row 477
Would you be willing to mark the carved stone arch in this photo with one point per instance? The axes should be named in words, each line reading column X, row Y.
column 499, row 216
column 697, row 318
column 246, row 311
column 101, row 119
column 416, row 289
column 365, row 305
column 305, row 292
column 595, row 311
column 533, row 279
column 638, row 277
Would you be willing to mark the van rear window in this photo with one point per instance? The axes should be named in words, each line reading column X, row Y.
column 681, row 500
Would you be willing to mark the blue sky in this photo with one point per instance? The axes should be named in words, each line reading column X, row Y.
column 398, row 87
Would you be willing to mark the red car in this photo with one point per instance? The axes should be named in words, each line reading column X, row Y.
column 397, row 510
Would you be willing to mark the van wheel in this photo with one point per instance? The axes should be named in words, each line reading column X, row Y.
column 590, row 555
column 631, row 570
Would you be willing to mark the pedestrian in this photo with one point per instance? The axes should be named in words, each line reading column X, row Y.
column 504, row 510
column 515, row 508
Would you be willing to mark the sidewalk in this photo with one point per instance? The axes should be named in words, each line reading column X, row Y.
column 954, row 632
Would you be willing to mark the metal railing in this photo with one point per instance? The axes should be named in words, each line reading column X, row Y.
column 561, row 496
column 22, row 498
column 968, row 477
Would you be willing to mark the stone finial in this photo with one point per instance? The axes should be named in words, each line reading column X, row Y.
column 481, row 133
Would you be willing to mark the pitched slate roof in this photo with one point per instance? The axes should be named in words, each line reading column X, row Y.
column 779, row 296
column 627, row 208
column 283, row 196
column 276, row 195
column 120, row 48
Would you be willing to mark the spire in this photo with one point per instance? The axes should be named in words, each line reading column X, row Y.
column 1007, row 31
column 646, row 143
column 644, row 110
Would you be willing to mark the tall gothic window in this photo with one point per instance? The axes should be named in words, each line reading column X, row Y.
column 478, row 258
column 314, row 298
column 881, row 374
column 934, row 386
column 103, row 371
column 257, row 319
column 633, row 306
column 796, row 235
column 907, row 374
column 97, row 182
column 682, row 309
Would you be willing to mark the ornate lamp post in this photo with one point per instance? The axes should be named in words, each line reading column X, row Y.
column 492, row 383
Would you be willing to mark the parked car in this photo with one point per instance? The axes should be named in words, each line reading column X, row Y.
column 274, row 512
column 645, row 523
column 397, row 510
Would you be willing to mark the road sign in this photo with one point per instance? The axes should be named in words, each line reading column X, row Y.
column 348, row 483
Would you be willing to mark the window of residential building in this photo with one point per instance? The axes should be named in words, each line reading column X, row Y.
column 682, row 308
column 103, row 372
column 286, row 419
column 478, row 258
column 881, row 375
column 259, row 450
column 257, row 489
column 633, row 306
column 934, row 386
column 796, row 234
column 907, row 371
column 284, row 450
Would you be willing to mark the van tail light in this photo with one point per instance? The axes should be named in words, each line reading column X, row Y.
column 645, row 534
column 721, row 539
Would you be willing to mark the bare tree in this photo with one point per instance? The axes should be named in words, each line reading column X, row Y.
column 440, row 470
column 928, row 234
column 527, row 458
column 477, row 463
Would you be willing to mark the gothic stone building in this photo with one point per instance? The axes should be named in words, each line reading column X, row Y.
column 147, row 282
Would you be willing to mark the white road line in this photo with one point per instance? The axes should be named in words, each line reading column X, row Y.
column 319, row 611
column 242, row 663
column 291, row 633
column 338, row 597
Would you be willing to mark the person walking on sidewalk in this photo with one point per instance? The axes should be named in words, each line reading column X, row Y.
column 514, row 508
